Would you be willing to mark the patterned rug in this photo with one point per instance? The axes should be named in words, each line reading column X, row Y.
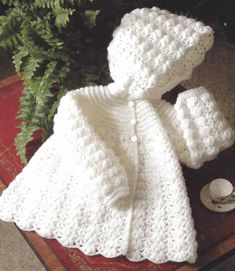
column 215, row 231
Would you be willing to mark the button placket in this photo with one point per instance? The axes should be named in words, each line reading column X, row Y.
column 131, row 104
column 133, row 122
column 133, row 139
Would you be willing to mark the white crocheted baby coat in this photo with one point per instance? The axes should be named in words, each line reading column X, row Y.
column 108, row 180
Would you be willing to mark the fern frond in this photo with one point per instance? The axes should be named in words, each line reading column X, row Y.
column 9, row 28
column 61, row 15
column 90, row 17
column 43, row 4
column 55, row 50
column 43, row 29
column 54, row 106
column 18, row 56
column 27, row 127
column 29, row 70
column 49, row 121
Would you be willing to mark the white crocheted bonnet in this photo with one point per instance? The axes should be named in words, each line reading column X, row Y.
column 153, row 50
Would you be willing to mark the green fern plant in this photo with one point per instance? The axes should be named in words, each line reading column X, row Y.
column 58, row 45
column 38, row 34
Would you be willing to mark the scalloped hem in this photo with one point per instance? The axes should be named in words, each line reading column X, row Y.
column 191, row 259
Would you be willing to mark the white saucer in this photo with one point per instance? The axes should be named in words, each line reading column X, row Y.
column 215, row 207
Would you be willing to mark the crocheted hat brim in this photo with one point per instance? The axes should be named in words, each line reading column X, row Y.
column 153, row 50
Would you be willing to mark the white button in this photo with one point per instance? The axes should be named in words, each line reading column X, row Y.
column 134, row 138
column 131, row 104
column 133, row 121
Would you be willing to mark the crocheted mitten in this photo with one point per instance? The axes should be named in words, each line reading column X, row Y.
column 82, row 148
column 196, row 126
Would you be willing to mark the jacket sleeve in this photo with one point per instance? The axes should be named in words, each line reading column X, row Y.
column 78, row 141
column 196, row 126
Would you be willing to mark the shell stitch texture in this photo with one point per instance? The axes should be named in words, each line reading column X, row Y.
column 108, row 180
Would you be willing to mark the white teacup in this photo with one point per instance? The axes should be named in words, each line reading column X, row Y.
column 221, row 190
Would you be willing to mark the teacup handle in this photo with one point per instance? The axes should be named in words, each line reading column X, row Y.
column 232, row 196
column 229, row 198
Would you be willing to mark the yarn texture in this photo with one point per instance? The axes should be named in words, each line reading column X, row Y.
column 108, row 180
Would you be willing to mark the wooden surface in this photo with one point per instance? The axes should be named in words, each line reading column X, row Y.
column 37, row 243
column 40, row 247
column 51, row 262
column 9, row 80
